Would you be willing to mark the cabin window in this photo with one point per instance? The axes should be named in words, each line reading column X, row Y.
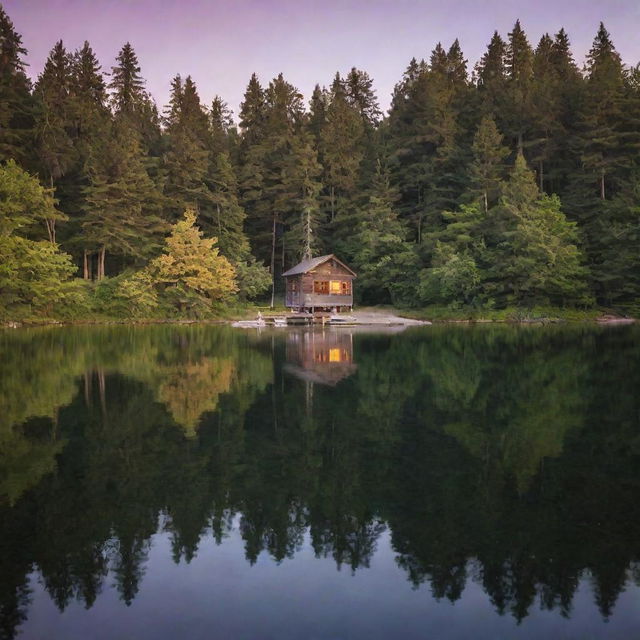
column 335, row 355
column 321, row 287
column 346, row 288
column 293, row 285
column 336, row 289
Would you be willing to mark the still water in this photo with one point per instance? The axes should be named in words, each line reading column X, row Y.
column 204, row 482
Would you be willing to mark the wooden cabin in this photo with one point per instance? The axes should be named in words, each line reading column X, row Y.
column 319, row 284
column 322, row 357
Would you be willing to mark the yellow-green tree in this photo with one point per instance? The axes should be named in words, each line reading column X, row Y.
column 191, row 272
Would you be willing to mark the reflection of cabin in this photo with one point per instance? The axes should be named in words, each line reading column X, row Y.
column 324, row 357
column 322, row 283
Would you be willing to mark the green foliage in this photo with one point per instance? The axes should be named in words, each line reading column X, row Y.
column 33, row 278
column 533, row 247
column 454, row 278
column 288, row 183
column 190, row 273
column 128, row 295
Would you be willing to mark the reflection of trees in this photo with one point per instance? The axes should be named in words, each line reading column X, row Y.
column 486, row 453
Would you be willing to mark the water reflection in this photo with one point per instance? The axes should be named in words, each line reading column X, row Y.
column 320, row 356
column 499, row 456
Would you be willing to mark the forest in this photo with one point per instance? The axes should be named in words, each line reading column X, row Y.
column 513, row 182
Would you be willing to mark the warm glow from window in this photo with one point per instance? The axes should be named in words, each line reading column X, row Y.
column 334, row 355
column 336, row 287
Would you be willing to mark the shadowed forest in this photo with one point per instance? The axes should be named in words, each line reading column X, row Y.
column 513, row 181
column 508, row 457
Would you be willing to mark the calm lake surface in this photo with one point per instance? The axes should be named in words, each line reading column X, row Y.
column 207, row 482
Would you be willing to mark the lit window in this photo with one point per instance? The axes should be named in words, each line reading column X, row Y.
column 335, row 355
column 336, row 287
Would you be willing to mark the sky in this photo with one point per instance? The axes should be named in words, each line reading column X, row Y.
column 220, row 43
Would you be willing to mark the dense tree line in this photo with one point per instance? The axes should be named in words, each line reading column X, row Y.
column 515, row 182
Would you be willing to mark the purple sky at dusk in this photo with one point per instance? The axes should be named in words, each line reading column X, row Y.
column 221, row 42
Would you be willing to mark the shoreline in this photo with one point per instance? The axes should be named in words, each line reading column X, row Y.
column 368, row 318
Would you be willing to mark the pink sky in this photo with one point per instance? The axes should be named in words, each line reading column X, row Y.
column 221, row 42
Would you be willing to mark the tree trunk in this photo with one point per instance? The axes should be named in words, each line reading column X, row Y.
column 486, row 202
column 602, row 194
column 541, row 165
column 85, row 265
column 282, row 270
column 219, row 223
column 51, row 230
column 273, row 262
column 333, row 204
column 101, row 257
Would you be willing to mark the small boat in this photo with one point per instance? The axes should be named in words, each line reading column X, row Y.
column 279, row 322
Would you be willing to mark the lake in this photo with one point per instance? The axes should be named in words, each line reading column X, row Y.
column 441, row 482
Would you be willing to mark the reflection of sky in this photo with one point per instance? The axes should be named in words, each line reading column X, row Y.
column 221, row 42
column 220, row 596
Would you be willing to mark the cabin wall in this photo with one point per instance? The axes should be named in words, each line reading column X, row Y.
column 309, row 293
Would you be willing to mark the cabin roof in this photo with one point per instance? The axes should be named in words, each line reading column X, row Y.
column 307, row 265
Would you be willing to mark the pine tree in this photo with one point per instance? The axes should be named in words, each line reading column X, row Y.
column 533, row 250
column 491, row 76
column 252, row 113
column 341, row 148
column 519, row 73
column 425, row 133
column 318, row 106
column 386, row 264
column 187, row 160
column 16, row 104
column 487, row 167
column 362, row 97
column 265, row 189
column 251, row 277
column 302, row 183
column 123, row 204
column 89, row 133
column 54, row 119
column 127, row 84
column 220, row 125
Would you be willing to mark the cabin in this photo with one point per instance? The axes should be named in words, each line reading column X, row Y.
column 319, row 284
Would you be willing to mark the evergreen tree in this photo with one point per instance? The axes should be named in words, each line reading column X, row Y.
column 16, row 105
column 488, row 162
column 89, row 133
column 187, row 160
column 491, row 75
column 519, row 74
column 126, row 84
column 302, row 181
column 318, row 106
column 220, row 124
column 54, row 118
column 341, row 150
column 123, row 204
column 362, row 97
column 252, row 113
column 386, row 264
column 533, row 250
